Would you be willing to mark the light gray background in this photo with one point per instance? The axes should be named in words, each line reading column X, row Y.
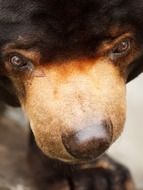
column 129, row 148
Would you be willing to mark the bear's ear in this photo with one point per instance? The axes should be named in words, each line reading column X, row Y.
column 7, row 92
column 135, row 69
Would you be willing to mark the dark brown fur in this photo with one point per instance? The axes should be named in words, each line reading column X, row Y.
column 66, row 63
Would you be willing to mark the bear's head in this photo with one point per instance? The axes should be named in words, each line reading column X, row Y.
column 68, row 62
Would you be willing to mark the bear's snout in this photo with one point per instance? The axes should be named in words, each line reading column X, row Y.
column 76, row 118
column 90, row 142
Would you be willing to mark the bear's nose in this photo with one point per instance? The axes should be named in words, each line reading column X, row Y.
column 90, row 142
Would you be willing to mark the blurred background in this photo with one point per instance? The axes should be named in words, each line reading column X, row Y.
column 129, row 147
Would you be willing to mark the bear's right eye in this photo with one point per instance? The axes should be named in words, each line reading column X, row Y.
column 17, row 62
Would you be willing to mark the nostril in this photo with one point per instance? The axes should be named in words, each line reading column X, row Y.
column 89, row 142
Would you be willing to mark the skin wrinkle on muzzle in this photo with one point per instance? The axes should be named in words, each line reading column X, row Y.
column 69, row 103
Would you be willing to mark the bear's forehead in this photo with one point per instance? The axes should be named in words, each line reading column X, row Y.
column 62, row 25
column 65, row 10
column 62, row 11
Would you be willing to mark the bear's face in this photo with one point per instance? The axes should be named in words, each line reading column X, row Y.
column 69, row 72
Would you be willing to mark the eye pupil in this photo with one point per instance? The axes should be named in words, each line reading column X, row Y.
column 123, row 46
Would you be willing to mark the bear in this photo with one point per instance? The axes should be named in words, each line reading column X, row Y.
column 67, row 63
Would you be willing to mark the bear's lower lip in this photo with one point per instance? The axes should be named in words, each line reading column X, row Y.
column 78, row 161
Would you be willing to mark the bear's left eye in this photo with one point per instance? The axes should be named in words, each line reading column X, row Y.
column 121, row 48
